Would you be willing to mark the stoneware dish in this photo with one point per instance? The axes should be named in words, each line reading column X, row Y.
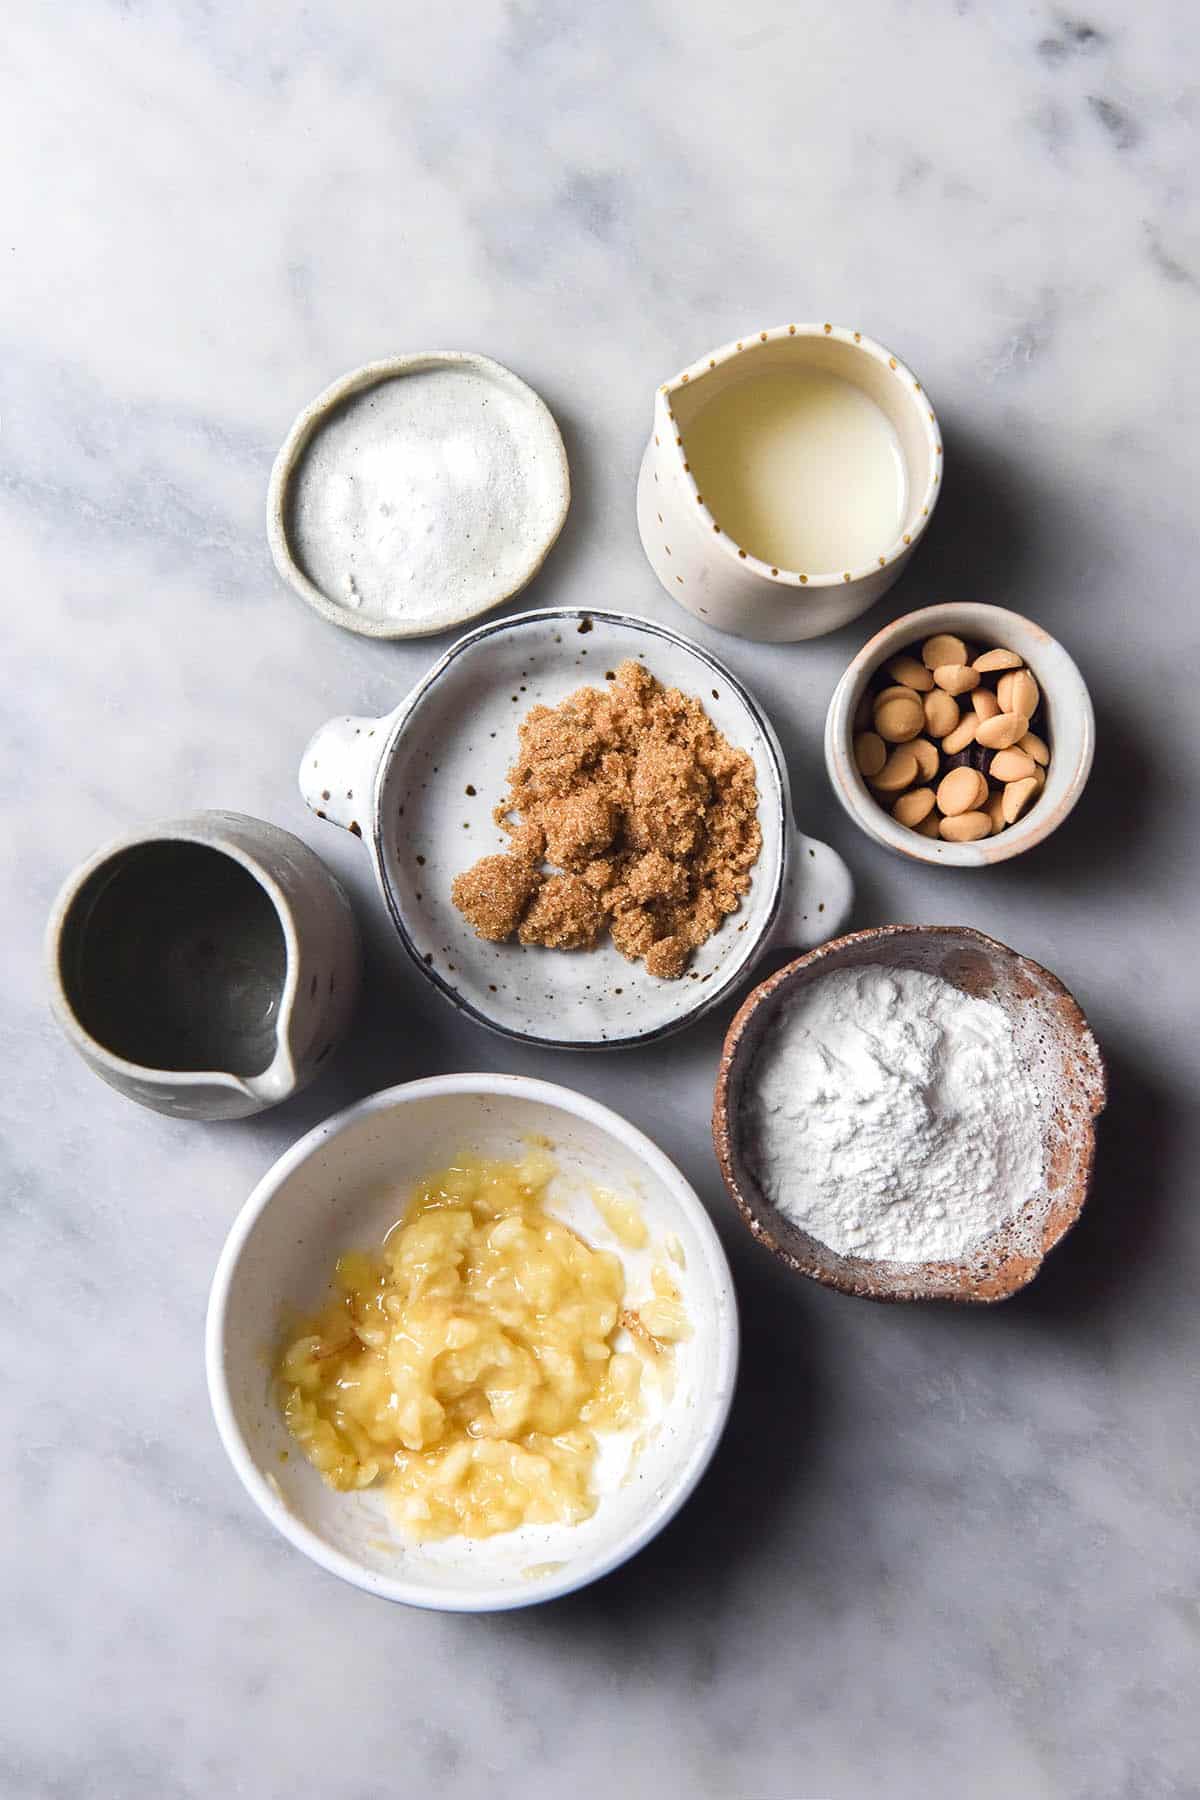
column 1069, row 727
column 1057, row 1047
column 342, row 1187
column 419, row 787
column 205, row 967
column 416, row 493
column 701, row 566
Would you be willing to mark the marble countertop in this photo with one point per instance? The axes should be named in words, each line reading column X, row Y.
column 941, row 1552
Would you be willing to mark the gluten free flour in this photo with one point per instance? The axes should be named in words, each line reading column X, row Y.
column 890, row 1116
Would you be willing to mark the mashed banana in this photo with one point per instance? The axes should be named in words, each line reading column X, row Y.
column 469, row 1364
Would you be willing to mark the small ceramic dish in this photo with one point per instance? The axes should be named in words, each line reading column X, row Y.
column 204, row 967
column 419, row 787
column 704, row 568
column 1057, row 1048
column 1070, row 729
column 342, row 1187
column 417, row 493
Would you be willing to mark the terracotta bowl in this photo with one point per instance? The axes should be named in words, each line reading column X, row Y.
column 1058, row 1048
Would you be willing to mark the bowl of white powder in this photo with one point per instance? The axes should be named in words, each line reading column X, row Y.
column 908, row 1113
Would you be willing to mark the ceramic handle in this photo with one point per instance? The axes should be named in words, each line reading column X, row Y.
column 818, row 894
column 338, row 769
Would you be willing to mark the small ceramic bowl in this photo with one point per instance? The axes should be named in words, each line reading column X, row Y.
column 342, row 1187
column 1056, row 1046
column 419, row 787
column 1070, row 730
column 416, row 493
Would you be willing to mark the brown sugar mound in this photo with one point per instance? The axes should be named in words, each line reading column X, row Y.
column 649, row 814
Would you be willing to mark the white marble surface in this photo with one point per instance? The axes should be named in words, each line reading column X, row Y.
column 941, row 1553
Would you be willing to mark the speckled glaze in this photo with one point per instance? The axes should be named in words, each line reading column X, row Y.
column 420, row 785
column 701, row 566
column 1053, row 1039
column 1070, row 730
column 302, row 985
column 455, row 492
column 342, row 1187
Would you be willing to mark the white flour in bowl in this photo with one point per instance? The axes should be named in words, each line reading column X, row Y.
column 889, row 1116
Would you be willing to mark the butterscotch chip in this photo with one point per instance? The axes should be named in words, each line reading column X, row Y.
column 941, row 649
column 930, row 825
column 962, row 790
column 899, row 771
column 870, row 753
column 914, row 806
column 941, row 713
column 956, row 678
column 898, row 715
column 1002, row 730
column 984, row 702
column 1036, row 747
column 962, row 735
column 910, row 673
column 566, row 915
column 1018, row 693
column 995, row 810
column 966, row 828
column 992, row 660
column 928, row 761
column 1011, row 765
column 1017, row 796
column 493, row 894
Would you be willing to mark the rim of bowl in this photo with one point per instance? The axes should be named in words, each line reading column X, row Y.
column 706, row 1000
column 905, row 541
column 309, row 420
column 957, row 1287
column 1066, row 688
column 494, row 1598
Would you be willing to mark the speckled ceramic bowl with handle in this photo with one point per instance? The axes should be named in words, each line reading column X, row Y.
column 342, row 1187
column 419, row 787
column 1057, row 1049
column 1070, row 728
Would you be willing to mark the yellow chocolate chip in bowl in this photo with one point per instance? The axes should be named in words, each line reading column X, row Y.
column 985, row 703
column 928, row 760
column 1011, row 765
column 930, row 825
column 993, row 660
column 963, row 790
column 995, row 811
column 899, row 771
column 1018, row 692
column 943, row 649
column 940, row 712
column 962, row 735
column 899, row 715
column 911, row 808
column 870, row 753
column 910, row 673
column 956, row 678
column 1036, row 747
column 965, row 828
column 1002, row 731
column 1017, row 796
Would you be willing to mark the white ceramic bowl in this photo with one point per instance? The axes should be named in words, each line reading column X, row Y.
column 341, row 1187
column 1070, row 730
column 419, row 787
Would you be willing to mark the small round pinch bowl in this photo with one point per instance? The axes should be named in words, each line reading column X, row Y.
column 343, row 1186
column 1070, row 728
column 1056, row 1045
column 419, row 786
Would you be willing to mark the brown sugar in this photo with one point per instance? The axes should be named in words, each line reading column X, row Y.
column 649, row 814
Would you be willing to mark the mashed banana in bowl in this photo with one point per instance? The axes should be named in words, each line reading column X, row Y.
column 469, row 1364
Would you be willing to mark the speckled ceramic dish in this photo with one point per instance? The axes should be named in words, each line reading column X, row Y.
column 420, row 786
column 1057, row 1047
column 342, row 1187
column 417, row 493
column 1070, row 727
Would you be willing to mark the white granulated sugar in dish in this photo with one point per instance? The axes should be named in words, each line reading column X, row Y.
column 890, row 1117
